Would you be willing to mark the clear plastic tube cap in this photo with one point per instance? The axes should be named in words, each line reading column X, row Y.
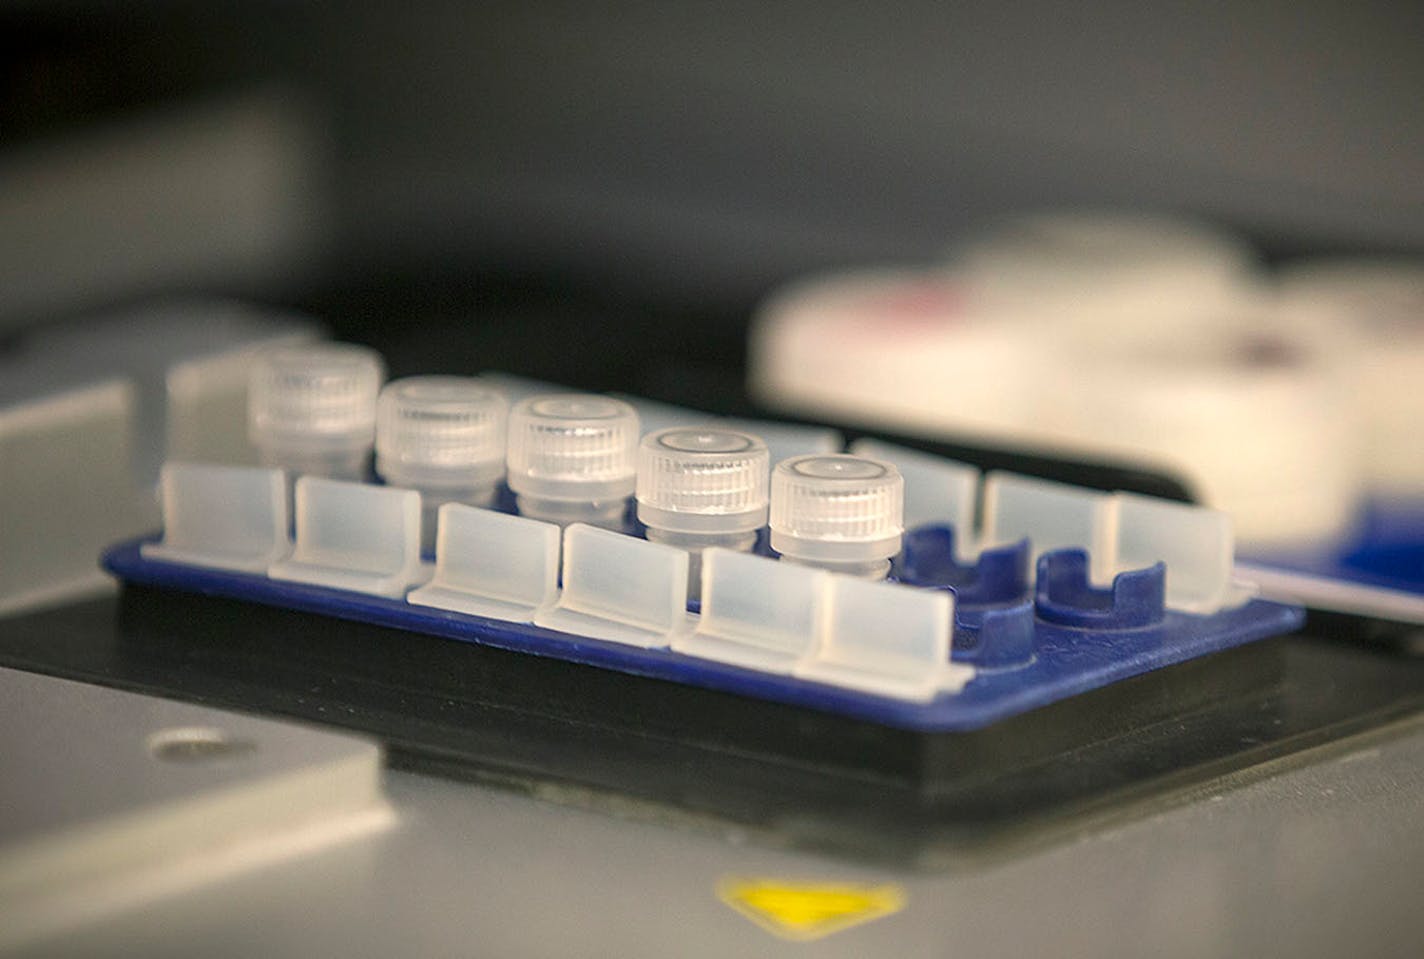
column 703, row 479
column 440, row 431
column 836, row 508
column 318, row 396
column 573, row 447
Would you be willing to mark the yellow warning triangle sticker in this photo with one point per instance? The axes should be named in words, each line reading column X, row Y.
column 809, row 910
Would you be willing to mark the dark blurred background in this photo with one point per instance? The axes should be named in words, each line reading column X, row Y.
column 598, row 193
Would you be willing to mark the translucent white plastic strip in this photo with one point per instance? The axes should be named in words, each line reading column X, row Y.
column 619, row 588
column 226, row 517
column 937, row 490
column 887, row 640
column 356, row 537
column 1195, row 542
column 492, row 564
column 785, row 440
column 1052, row 516
column 655, row 415
column 757, row 612
column 1321, row 592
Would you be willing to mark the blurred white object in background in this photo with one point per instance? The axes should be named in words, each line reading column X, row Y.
column 1370, row 315
column 1255, row 421
column 1122, row 336
column 1113, row 273
column 897, row 347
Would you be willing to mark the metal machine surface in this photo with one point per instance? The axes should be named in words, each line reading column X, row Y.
column 1266, row 862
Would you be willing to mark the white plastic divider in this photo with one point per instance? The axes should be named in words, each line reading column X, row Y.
column 937, row 490
column 757, row 612
column 354, row 536
column 887, row 640
column 1196, row 543
column 1120, row 531
column 1052, row 516
column 619, row 588
column 492, row 564
column 226, row 517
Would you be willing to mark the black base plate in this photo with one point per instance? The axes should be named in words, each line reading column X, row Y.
column 788, row 775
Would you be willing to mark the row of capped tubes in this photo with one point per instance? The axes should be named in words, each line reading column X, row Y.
column 571, row 458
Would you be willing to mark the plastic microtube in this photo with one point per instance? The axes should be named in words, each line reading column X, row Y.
column 572, row 458
column 839, row 512
column 702, row 486
column 312, row 409
column 444, row 437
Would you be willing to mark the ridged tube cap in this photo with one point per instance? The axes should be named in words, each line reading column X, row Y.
column 703, row 480
column 836, row 508
column 320, row 397
column 573, row 447
column 440, row 431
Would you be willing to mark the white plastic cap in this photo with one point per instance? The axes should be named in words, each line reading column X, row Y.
column 703, row 479
column 836, row 508
column 573, row 447
column 321, row 396
column 937, row 490
column 440, row 431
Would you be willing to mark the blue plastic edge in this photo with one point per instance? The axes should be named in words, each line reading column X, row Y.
column 1067, row 661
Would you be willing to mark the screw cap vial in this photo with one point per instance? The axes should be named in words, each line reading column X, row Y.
column 324, row 394
column 440, row 432
column 573, row 448
column 838, row 511
column 703, row 480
